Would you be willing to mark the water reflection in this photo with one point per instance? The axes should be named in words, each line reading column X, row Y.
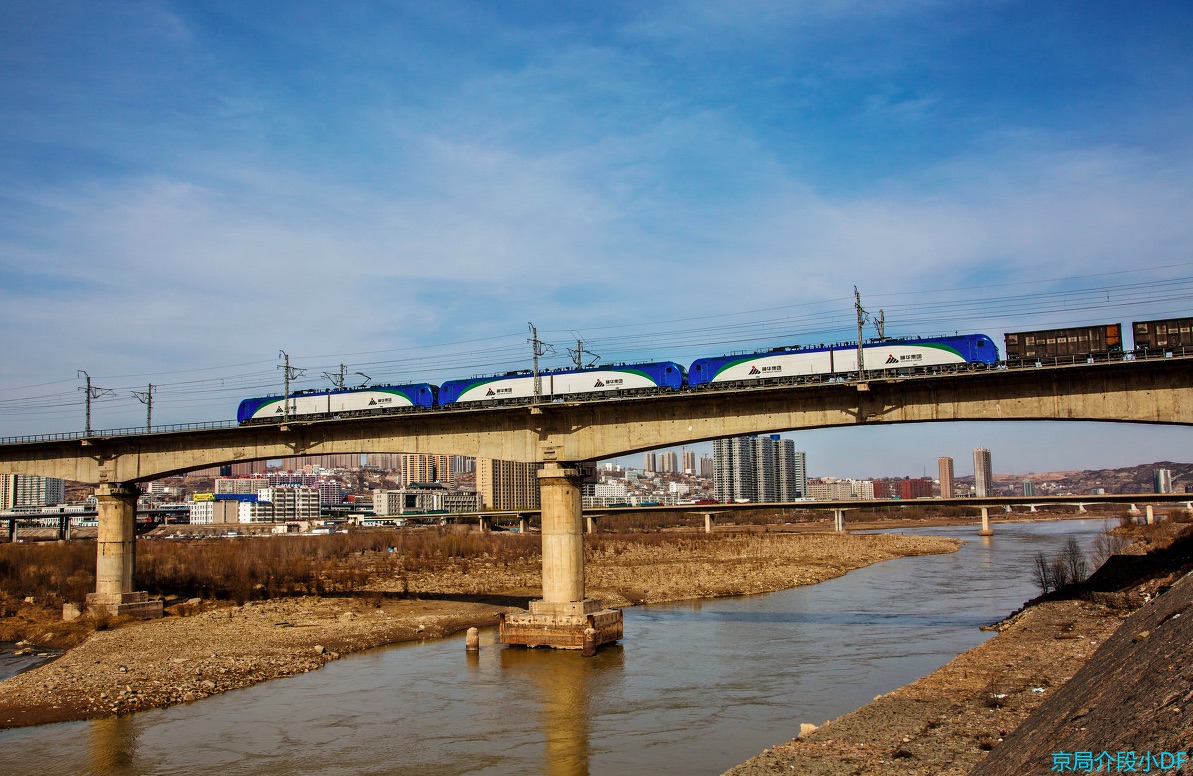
column 113, row 744
column 565, row 686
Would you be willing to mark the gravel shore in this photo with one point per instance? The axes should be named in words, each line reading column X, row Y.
column 210, row 647
column 948, row 722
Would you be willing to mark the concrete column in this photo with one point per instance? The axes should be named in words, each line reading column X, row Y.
column 12, row 530
column 486, row 523
column 563, row 541
column 117, row 538
column 1151, row 514
column 708, row 522
column 589, row 525
column 839, row 520
column 63, row 528
column 986, row 530
column 1133, row 511
column 563, row 618
column 1081, row 509
column 116, row 560
column 1006, row 508
column 523, row 525
column 1035, row 508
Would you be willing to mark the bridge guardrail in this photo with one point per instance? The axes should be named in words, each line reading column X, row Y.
column 109, row 432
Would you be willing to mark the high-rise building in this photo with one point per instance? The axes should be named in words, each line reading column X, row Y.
column 420, row 467
column 983, row 473
column 390, row 462
column 507, row 484
column 649, row 462
column 1029, row 488
column 27, row 490
column 706, row 466
column 945, row 465
column 791, row 471
column 733, row 470
column 766, row 485
column 1162, row 480
column 689, row 461
column 246, row 468
column 669, row 462
column 310, row 462
column 760, row 469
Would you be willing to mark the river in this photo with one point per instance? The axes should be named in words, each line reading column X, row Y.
column 695, row 688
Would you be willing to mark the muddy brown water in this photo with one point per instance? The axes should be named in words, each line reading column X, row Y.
column 695, row 688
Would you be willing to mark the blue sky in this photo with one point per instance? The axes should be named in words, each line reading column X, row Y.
column 188, row 188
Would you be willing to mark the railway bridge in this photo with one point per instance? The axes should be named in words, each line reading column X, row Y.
column 563, row 434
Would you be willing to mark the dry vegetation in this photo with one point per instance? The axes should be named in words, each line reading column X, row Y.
column 309, row 599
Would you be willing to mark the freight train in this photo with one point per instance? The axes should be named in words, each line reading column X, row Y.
column 786, row 365
column 1081, row 343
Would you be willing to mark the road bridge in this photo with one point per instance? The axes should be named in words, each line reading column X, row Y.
column 562, row 434
column 839, row 507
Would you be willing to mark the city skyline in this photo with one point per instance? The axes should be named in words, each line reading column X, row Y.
column 399, row 190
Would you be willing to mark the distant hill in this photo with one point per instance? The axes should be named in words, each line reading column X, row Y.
column 1130, row 479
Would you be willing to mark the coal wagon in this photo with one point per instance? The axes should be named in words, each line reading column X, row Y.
column 1070, row 345
column 1163, row 335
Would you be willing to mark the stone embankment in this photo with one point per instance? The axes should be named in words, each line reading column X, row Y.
column 209, row 647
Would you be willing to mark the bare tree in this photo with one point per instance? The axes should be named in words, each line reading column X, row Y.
column 1042, row 573
column 1077, row 567
column 1105, row 545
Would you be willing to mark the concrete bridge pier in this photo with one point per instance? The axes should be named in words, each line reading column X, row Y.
column 1081, row 510
column 839, row 520
column 708, row 522
column 64, row 528
column 1034, row 507
column 116, row 559
column 986, row 530
column 523, row 524
column 589, row 524
column 486, row 523
column 12, row 530
column 1133, row 511
column 1151, row 514
column 562, row 616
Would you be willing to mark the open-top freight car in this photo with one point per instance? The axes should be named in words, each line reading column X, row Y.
column 1164, row 335
column 1071, row 345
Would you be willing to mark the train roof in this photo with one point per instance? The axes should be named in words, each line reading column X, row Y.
column 569, row 371
column 822, row 347
column 337, row 391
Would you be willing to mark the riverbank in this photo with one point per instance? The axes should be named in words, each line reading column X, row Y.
column 947, row 722
column 209, row 647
